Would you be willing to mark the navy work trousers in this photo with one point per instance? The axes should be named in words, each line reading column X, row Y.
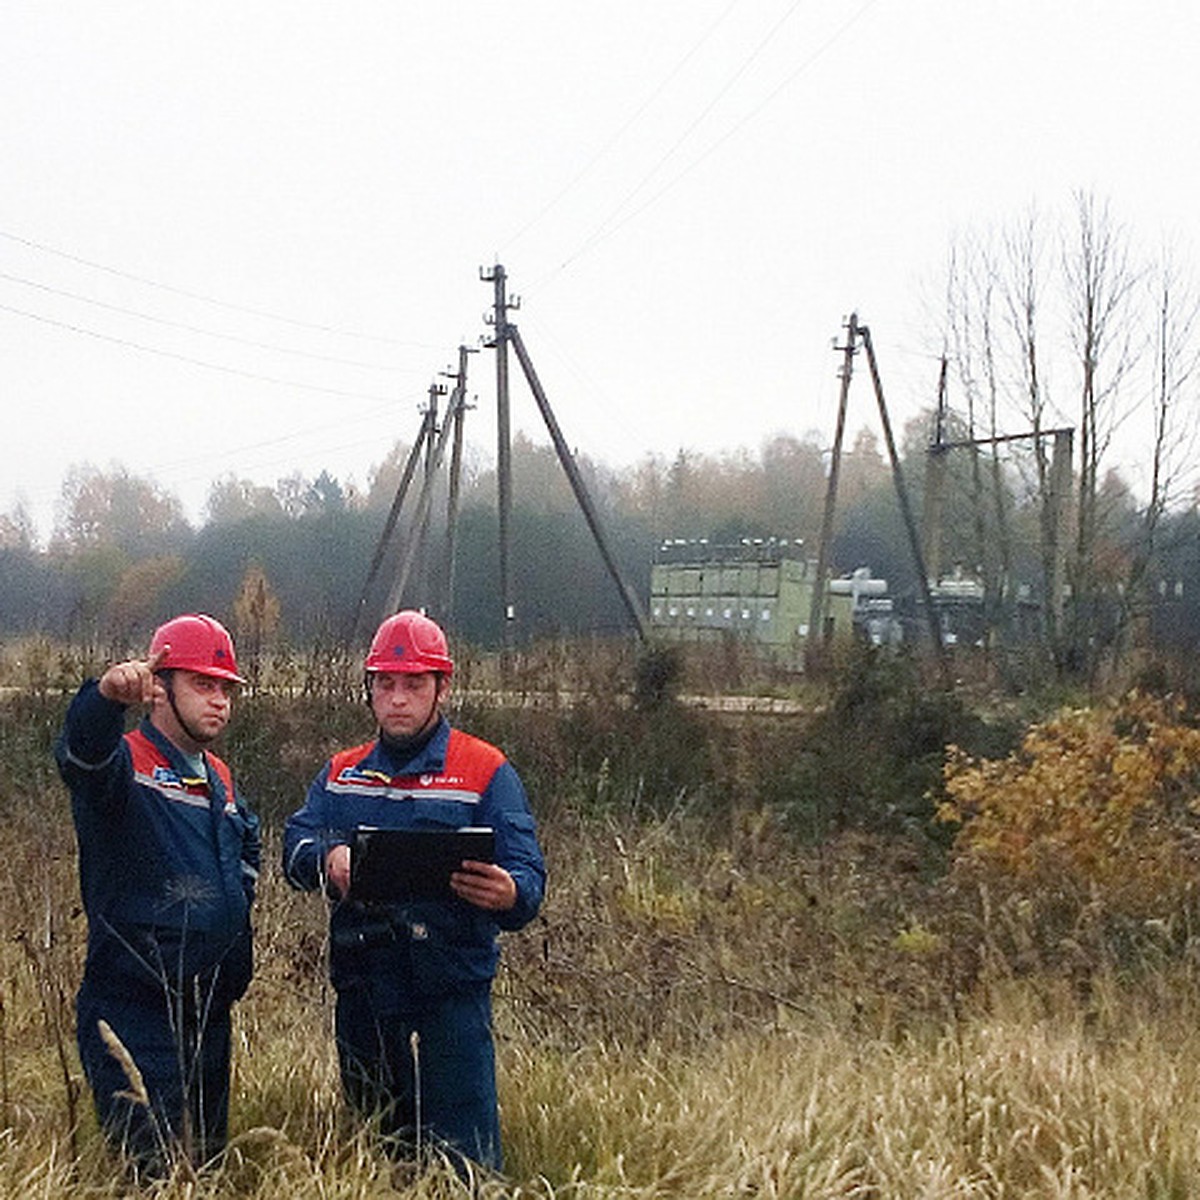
column 437, row 1088
column 181, row 1046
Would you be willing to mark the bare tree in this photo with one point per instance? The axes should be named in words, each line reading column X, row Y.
column 1100, row 287
column 993, row 339
column 1173, row 307
column 16, row 529
column 1119, row 337
column 971, row 335
column 1025, row 286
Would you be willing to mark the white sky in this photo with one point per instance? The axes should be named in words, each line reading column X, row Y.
column 688, row 197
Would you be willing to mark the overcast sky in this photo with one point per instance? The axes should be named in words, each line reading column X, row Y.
column 246, row 237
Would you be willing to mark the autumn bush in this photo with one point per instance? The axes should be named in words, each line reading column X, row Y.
column 1080, row 848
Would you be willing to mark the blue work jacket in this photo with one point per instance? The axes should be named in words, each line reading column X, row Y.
column 405, row 951
column 168, row 861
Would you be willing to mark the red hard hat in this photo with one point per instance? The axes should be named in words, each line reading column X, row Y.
column 409, row 642
column 196, row 643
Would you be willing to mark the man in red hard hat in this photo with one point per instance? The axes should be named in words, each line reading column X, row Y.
column 168, row 859
column 413, row 976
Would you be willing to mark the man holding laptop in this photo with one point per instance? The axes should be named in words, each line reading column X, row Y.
column 413, row 944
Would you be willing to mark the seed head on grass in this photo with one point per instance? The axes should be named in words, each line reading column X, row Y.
column 137, row 1087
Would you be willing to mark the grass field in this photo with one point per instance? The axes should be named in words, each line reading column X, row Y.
column 706, row 1008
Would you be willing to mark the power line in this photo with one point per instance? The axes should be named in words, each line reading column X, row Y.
column 624, row 127
column 269, row 443
column 230, row 337
column 195, row 362
column 606, row 228
column 227, row 452
column 612, row 415
column 696, row 121
column 190, row 295
column 272, row 462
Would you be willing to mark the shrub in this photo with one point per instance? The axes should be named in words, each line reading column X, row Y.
column 872, row 759
column 1081, row 844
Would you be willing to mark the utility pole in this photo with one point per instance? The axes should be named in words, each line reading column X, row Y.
column 935, row 479
column 1055, row 522
column 435, row 454
column 406, row 477
column 432, row 443
column 420, row 530
column 506, row 332
column 456, row 415
column 931, row 613
column 816, row 613
column 499, row 321
column 577, row 485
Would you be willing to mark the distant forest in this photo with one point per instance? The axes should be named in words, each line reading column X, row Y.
column 292, row 560
column 1058, row 333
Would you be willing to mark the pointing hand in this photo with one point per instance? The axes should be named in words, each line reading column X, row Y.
column 132, row 682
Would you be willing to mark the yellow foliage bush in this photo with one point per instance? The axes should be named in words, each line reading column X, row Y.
column 1092, row 820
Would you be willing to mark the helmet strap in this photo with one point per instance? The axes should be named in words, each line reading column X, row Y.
column 408, row 746
column 168, row 682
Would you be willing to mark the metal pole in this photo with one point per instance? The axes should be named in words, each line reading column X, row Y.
column 816, row 612
column 410, row 467
column 581, row 494
column 935, row 631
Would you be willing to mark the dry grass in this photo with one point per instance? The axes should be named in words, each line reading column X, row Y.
column 1002, row 1107
column 705, row 1009
column 688, row 1024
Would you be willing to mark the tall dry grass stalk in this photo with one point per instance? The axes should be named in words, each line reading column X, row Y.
column 613, row 1089
column 137, row 1087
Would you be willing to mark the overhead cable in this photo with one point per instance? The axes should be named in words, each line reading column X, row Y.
column 195, row 362
column 229, row 337
column 611, row 224
column 178, row 291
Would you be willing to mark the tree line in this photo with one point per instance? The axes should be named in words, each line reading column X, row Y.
column 1045, row 326
column 122, row 553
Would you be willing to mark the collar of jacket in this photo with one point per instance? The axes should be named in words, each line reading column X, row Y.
column 175, row 757
column 430, row 759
